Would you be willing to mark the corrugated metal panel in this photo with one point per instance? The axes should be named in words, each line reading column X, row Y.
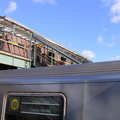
column 68, row 70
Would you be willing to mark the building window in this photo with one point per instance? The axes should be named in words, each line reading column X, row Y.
column 63, row 59
column 51, row 54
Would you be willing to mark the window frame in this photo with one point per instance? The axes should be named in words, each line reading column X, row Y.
column 4, row 105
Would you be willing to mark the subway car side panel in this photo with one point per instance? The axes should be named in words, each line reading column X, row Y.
column 84, row 101
column 101, row 101
column 72, row 108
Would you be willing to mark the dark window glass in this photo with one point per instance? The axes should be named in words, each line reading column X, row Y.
column 34, row 108
column 38, row 59
column 63, row 59
column 51, row 54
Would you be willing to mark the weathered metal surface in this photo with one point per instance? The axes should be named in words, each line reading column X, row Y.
column 92, row 90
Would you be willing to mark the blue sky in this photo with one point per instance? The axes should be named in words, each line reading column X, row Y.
column 88, row 27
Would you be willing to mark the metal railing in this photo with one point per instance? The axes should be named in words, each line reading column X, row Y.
column 14, row 48
column 45, row 60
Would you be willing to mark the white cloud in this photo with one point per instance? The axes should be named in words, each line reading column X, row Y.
column 46, row 1
column 100, row 40
column 88, row 54
column 112, row 44
column 116, row 58
column 114, row 10
column 115, row 19
column 113, row 41
column 12, row 7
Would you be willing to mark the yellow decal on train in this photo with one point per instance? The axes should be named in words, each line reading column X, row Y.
column 14, row 104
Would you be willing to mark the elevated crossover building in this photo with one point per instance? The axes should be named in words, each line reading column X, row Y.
column 22, row 47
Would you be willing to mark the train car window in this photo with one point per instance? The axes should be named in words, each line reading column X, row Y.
column 34, row 107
